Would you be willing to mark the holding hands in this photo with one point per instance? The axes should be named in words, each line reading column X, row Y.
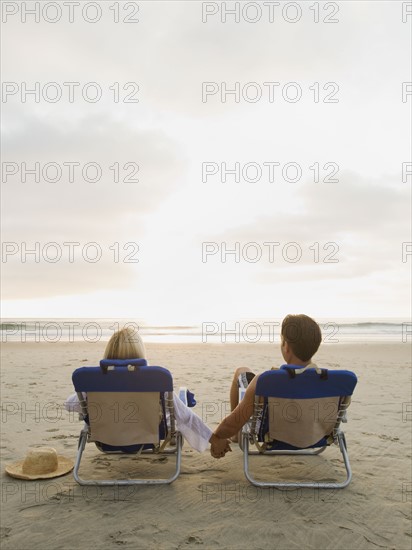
column 219, row 447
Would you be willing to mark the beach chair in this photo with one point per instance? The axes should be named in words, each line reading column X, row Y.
column 298, row 413
column 128, row 409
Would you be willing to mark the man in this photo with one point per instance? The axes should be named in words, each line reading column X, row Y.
column 300, row 340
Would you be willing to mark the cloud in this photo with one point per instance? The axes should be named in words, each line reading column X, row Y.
column 170, row 132
column 171, row 51
column 105, row 212
column 361, row 223
column 78, row 205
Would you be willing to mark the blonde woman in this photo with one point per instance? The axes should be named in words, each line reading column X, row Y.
column 127, row 344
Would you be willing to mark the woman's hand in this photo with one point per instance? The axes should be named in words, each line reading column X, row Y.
column 219, row 447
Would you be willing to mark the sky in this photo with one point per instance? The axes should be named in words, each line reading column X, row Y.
column 284, row 140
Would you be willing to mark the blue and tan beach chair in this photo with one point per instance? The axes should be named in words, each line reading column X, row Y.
column 298, row 412
column 128, row 409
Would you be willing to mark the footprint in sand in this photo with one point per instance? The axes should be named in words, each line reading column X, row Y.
column 4, row 532
column 116, row 538
column 192, row 539
column 101, row 463
column 382, row 436
column 162, row 459
column 388, row 437
column 61, row 437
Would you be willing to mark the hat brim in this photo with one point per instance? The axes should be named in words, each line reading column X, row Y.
column 65, row 465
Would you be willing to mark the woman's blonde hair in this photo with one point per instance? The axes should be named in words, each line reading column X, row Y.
column 125, row 344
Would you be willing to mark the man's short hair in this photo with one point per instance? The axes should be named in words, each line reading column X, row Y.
column 303, row 335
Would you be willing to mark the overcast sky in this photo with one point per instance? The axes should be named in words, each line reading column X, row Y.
column 173, row 143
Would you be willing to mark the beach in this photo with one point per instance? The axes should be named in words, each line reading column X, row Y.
column 211, row 504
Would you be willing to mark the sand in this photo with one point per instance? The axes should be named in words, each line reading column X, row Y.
column 211, row 504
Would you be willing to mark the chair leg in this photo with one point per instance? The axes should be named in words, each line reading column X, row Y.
column 80, row 449
column 179, row 445
column 343, row 450
column 290, row 485
column 121, row 482
column 297, row 452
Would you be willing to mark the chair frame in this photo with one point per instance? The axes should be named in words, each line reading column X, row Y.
column 174, row 437
column 249, row 436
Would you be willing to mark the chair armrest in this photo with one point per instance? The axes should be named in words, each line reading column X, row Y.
column 246, row 427
column 242, row 392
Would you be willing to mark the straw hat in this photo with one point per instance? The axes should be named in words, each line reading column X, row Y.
column 40, row 463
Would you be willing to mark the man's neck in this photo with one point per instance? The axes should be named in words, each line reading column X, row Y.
column 298, row 362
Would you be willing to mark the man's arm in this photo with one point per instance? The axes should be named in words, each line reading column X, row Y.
column 233, row 423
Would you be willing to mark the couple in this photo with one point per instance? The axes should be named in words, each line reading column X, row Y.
column 300, row 340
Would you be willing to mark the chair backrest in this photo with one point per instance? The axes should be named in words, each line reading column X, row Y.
column 301, row 409
column 125, row 401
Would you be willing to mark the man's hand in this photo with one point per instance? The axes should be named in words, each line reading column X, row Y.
column 219, row 447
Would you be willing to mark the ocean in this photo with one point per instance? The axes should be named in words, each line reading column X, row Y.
column 252, row 331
